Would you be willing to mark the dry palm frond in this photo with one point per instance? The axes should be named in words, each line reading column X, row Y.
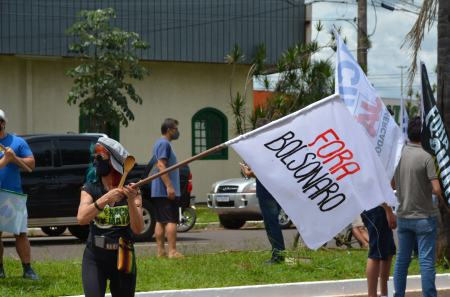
column 427, row 16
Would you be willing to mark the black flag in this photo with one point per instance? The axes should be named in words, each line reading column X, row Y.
column 434, row 137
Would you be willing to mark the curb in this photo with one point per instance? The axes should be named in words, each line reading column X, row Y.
column 38, row 232
column 305, row 289
column 217, row 224
column 33, row 232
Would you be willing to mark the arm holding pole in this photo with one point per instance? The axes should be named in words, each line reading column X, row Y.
column 19, row 162
column 8, row 157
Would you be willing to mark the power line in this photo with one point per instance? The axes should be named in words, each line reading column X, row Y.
column 52, row 3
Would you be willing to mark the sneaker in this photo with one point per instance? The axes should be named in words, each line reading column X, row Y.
column 272, row 262
column 29, row 273
column 2, row 273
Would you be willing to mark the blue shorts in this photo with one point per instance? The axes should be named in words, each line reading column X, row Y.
column 381, row 238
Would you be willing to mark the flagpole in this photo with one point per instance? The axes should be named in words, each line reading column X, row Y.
column 403, row 111
column 421, row 93
column 181, row 164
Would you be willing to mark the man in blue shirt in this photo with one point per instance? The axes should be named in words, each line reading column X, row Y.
column 10, row 180
column 166, row 190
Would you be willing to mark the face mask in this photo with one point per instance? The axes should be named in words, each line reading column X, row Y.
column 102, row 168
column 176, row 135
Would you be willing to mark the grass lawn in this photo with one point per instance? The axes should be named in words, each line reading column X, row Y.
column 61, row 278
column 204, row 215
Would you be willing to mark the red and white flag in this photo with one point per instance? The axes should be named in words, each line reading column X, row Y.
column 320, row 167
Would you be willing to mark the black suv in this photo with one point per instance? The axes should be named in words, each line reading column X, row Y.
column 53, row 187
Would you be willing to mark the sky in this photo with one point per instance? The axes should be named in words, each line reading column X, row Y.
column 385, row 55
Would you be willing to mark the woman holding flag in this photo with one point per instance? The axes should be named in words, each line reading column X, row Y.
column 113, row 214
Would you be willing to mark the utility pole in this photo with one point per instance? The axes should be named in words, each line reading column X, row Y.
column 362, row 34
column 401, row 67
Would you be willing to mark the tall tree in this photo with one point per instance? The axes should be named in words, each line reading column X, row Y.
column 109, row 57
column 427, row 16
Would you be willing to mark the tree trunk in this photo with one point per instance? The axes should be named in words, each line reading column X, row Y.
column 443, row 74
column 443, row 238
column 443, row 103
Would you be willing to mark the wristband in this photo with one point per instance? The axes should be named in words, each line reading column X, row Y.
column 96, row 206
column 138, row 205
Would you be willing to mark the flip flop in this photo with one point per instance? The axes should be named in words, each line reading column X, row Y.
column 176, row 256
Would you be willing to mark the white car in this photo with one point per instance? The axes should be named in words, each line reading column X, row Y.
column 235, row 202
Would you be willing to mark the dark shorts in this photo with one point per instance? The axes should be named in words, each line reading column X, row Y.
column 381, row 238
column 166, row 210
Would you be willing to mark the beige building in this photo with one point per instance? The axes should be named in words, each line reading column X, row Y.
column 34, row 98
column 189, row 77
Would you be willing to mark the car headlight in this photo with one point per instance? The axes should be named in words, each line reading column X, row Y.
column 250, row 188
column 213, row 187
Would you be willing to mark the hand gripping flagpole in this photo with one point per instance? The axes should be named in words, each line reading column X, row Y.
column 181, row 164
column 21, row 164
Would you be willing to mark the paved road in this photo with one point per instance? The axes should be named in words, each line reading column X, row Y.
column 196, row 240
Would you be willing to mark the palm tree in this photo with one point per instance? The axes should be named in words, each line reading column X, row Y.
column 427, row 16
column 301, row 81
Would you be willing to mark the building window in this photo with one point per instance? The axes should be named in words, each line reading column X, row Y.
column 209, row 129
column 87, row 126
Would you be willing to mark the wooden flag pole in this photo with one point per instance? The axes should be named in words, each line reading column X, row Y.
column 21, row 164
column 181, row 164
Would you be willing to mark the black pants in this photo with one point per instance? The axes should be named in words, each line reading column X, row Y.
column 100, row 265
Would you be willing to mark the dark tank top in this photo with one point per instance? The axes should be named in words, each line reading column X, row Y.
column 112, row 222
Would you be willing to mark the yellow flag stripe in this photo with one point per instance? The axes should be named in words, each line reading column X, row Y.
column 437, row 167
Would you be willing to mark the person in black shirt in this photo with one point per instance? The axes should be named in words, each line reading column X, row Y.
column 111, row 213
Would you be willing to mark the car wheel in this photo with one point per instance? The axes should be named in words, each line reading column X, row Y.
column 234, row 224
column 54, row 231
column 187, row 220
column 149, row 222
column 81, row 232
column 283, row 218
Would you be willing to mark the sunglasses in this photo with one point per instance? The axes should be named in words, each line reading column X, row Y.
column 99, row 158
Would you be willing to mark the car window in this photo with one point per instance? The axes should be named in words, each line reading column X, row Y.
column 75, row 152
column 42, row 153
